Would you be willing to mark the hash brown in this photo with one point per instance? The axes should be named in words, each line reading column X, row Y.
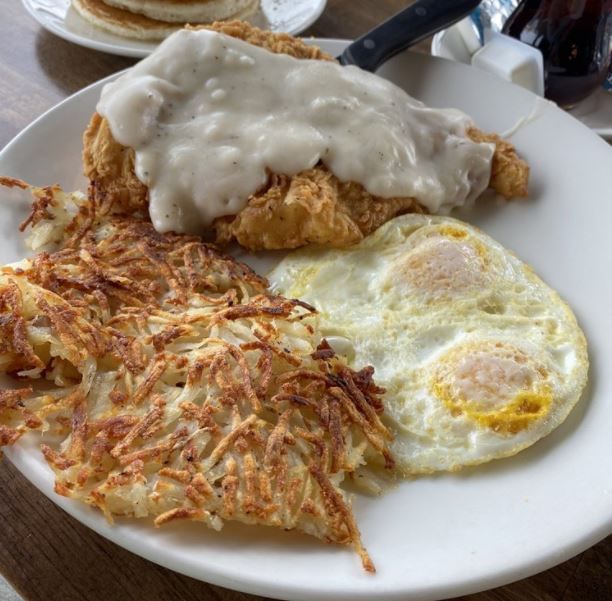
column 175, row 385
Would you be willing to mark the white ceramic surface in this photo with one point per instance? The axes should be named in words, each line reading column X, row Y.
column 512, row 60
column 57, row 16
column 595, row 111
column 441, row 536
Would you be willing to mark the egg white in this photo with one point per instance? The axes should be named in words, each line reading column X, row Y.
column 480, row 358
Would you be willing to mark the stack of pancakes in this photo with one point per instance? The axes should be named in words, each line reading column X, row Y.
column 155, row 19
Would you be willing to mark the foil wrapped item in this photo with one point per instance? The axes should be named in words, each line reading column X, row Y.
column 492, row 14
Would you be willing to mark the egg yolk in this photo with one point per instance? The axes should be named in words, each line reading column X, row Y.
column 443, row 265
column 496, row 385
column 451, row 231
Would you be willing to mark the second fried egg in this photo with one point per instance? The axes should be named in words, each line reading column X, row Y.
column 480, row 358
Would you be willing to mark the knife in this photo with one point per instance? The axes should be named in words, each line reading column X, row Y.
column 406, row 28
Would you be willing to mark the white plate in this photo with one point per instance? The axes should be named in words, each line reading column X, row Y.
column 595, row 111
column 57, row 16
column 436, row 536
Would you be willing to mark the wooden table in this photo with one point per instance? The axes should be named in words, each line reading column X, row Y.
column 49, row 556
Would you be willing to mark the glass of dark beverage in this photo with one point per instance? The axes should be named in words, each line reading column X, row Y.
column 575, row 38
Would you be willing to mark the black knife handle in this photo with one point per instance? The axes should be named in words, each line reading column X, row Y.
column 406, row 28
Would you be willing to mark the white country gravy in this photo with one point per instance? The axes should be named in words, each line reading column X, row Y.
column 209, row 116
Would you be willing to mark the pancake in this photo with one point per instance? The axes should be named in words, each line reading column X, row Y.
column 122, row 22
column 131, row 25
column 187, row 11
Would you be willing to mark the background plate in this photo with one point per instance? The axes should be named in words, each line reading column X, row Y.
column 57, row 16
column 439, row 536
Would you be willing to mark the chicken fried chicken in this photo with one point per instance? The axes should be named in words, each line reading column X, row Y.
column 312, row 207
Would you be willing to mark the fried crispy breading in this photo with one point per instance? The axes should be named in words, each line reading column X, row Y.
column 177, row 386
column 509, row 173
column 288, row 212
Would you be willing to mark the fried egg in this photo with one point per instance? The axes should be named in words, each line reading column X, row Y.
column 479, row 357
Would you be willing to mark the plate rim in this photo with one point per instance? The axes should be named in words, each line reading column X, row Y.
column 253, row 586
